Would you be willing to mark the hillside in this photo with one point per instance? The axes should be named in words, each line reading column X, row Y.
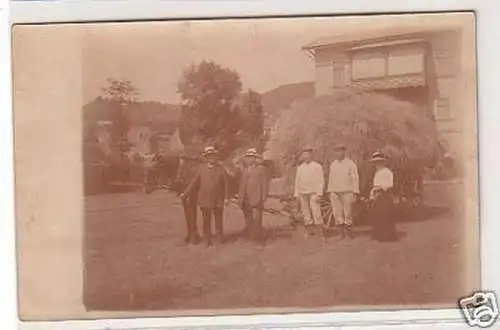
column 140, row 113
column 165, row 115
column 282, row 97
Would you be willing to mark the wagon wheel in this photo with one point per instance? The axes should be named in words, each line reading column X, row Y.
column 290, row 208
column 326, row 212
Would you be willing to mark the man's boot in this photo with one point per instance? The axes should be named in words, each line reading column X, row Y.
column 348, row 231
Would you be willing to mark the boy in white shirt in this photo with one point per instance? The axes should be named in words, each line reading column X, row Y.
column 309, row 185
column 343, row 186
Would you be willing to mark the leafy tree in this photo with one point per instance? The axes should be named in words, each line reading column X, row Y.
column 121, row 90
column 122, row 93
column 252, row 120
column 209, row 115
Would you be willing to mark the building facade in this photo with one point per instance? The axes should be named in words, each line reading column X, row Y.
column 422, row 66
column 140, row 138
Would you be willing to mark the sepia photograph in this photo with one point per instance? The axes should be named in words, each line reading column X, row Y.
column 243, row 166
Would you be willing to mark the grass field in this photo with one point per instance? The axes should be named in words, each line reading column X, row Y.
column 135, row 259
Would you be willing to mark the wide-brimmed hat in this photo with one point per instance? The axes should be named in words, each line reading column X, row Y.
column 307, row 148
column 252, row 152
column 210, row 151
column 339, row 147
column 378, row 156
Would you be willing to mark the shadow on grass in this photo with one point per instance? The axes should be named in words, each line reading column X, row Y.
column 406, row 215
column 362, row 232
column 424, row 213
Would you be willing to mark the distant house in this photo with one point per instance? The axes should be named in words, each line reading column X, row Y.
column 151, row 136
column 139, row 136
column 421, row 65
column 103, row 135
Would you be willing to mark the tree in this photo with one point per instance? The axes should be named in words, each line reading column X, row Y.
column 121, row 90
column 252, row 119
column 209, row 115
column 122, row 93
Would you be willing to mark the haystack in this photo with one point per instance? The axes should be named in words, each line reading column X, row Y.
column 364, row 122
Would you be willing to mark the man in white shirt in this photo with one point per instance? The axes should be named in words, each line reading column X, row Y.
column 343, row 186
column 309, row 185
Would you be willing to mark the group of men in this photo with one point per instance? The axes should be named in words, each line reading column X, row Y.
column 342, row 187
column 206, row 185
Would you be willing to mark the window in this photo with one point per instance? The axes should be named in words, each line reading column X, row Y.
column 388, row 60
column 443, row 110
column 339, row 74
column 366, row 65
column 406, row 61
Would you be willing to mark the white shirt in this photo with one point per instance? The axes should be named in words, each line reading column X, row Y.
column 383, row 179
column 309, row 179
column 343, row 176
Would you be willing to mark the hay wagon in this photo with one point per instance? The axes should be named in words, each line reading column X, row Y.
column 407, row 196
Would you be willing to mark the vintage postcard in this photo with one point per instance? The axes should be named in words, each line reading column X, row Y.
column 246, row 166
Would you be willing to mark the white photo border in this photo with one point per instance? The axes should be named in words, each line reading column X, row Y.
column 488, row 49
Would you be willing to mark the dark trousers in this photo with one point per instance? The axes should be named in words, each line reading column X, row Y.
column 190, row 215
column 253, row 222
column 383, row 222
column 207, row 215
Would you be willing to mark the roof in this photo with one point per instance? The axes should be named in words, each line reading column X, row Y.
column 367, row 32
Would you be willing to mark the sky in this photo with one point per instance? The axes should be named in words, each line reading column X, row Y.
column 266, row 53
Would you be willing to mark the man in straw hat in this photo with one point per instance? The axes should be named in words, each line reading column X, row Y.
column 253, row 191
column 381, row 196
column 343, row 186
column 309, row 185
column 187, row 170
column 211, row 188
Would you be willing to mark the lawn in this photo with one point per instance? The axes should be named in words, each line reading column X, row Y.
column 135, row 259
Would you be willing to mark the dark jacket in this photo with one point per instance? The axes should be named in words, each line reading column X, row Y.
column 209, row 186
column 254, row 186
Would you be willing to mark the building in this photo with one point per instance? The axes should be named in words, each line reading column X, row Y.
column 140, row 138
column 102, row 133
column 419, row 64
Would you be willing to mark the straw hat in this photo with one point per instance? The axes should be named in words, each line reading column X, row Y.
column 378, row 156
column 339, row 147
column 307, row 148
column 210, row 151
column 252, row 152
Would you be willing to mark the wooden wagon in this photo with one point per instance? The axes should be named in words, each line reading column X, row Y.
column 407, row 196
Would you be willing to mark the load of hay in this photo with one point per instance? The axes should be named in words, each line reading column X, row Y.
column 364, row 122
